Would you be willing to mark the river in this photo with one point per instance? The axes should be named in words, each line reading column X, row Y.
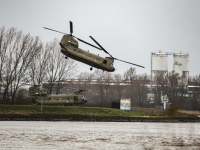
column 31, row 135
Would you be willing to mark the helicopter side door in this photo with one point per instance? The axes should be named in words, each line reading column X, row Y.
column 75, row 99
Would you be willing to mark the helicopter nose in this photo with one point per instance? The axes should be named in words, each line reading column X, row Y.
column 85, row 100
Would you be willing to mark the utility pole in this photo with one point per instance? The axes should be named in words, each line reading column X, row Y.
column 41, row 97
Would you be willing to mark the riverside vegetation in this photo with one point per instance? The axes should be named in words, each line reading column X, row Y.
column 92, row 111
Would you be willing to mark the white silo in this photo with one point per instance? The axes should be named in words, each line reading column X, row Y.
column 181, row 66
column 159, row 66
column 181, row 63
column 159, row 63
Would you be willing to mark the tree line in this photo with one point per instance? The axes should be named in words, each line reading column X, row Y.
column 109, row 87
column 24, row 58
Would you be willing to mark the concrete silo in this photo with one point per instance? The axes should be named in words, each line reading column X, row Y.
column 159, row 67
column 159, row 63
column 181, row 66
column 181, row 63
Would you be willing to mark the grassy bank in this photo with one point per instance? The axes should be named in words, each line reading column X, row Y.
column 89, row 111
column 79, row 110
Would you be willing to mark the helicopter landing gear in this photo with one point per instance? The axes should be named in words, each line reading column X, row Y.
column 91, row 67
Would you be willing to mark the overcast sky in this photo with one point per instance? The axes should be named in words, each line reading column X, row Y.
column 128, row 29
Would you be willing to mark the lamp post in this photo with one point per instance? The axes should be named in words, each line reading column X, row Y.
column 41, row 97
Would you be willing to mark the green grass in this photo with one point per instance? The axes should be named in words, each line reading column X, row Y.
column 91, row 111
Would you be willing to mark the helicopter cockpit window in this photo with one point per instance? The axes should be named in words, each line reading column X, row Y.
column 82, row 97
column 111, row 65
column 105, row 61
column 75, row 98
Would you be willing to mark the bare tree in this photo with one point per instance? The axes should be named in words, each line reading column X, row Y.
column 19, row 50
column 85, row 82
column 173, row 84
column 3, row 50
column 100, row 94
column 161, row 82
column 130, row 74
column 135, row 88
column 129, row 77
column 38, row 67
column 85, row 78
column 109, row 91
column 58, row 68
column 140, row 90
column 194, row 99
column 182, row 85
column 118, row 87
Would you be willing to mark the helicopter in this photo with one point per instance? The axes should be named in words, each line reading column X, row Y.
column 70, row 48
column 36, row 94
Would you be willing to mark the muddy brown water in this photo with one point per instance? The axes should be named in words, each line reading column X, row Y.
column 98, row 135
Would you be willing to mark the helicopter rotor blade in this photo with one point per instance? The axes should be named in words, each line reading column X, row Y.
column 129, row 63
column 111, row 55
column 75, row 37
column 87, row 43
column 71, row 27
column 100, row 46
column 54, row 30
column 82, row 90
column 97, row 43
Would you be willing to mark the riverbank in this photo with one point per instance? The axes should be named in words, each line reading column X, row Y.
column 74, row 117
column 97, row 114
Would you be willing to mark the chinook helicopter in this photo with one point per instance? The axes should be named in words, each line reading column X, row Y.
column 76, row 98
column 69, row 47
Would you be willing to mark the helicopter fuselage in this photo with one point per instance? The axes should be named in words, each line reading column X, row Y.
column 59, row 99
column 36, row 95
column 69, row 47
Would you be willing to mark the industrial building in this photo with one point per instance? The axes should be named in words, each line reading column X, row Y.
column 159, row 67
